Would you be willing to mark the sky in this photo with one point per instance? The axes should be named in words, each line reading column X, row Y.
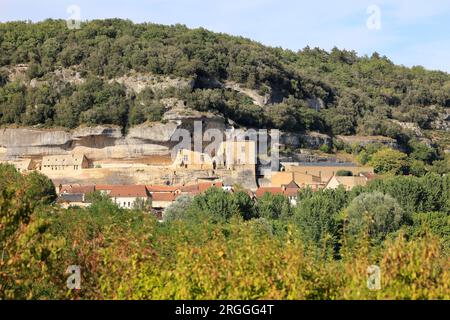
column 409, row 32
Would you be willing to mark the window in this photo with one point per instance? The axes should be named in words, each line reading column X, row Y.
column 202, row 158
column 185, row 158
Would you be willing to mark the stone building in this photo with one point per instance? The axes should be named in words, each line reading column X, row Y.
column 326, row 170
column 22, row 165
column 127, row 197
column 193, row 160
column 302, row 180
column 237, row 153
column 347, row 182
column 67, row 163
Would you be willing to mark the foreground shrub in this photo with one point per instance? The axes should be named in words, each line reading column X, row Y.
column 374, row 213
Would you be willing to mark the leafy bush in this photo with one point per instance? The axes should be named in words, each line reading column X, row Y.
column 216, row 247
column 376, row 214
column 389, row 161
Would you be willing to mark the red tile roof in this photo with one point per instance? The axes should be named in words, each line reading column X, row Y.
column 103, row 187
column 292, row 185
column 291, row 192
column 195, row 189
column 163, row 188
column 272, row 190
column 190, row 188
column 207, row 185
column 163, row 196
column 129, row 191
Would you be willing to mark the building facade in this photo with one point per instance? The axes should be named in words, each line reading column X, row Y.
column 64, row 163
column 129, row 197
column 347, row 182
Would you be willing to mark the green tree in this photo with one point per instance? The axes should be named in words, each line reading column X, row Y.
column 273, row 206
column 243, row 205
column 363, row 157
column 389, row 161
column 417, row 168
column 374, row 213
column 179, row 209
column 215, row 203
column 441, row 166
column 4, row 77
column 420, row 151
column 35, row 71
column 318, row 215
column 437, row 223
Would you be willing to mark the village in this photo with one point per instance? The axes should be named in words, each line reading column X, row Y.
column 234, row 162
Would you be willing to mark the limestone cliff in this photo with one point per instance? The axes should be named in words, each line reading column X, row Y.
column 103, row 142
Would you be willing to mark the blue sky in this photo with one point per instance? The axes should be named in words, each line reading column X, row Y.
column 413, row 32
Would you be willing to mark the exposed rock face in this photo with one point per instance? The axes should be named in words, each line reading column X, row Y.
column 106, row 142
column 443, row 121
column 105, row 131
column 137, row 82
column 253, row 94
column 30, row 142
column 312, row 140
column 101, row 142
column 33, row 137
column 413, row 127
column 158, row 132
column 316, row 104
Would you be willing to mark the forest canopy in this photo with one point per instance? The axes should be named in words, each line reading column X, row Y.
column 335, row 92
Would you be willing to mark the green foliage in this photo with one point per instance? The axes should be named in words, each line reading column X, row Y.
column 426, row 194
column 216, row 247
column 215, row 204
column 325, row 148
column 19, row 196
column 318, row 215
column 421, row 152
column 417, row 168
column 243, row 205
column 389, row 161
column 178, row 209
column 34, row 71
column 441, row 166
column 376, row 214
column 436, row 223
column 363, row 157
column 274, row 206
column 334, row 92
column 39, row 188
column 4, row 76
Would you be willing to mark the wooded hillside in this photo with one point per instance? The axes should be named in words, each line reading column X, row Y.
column 355, row 95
